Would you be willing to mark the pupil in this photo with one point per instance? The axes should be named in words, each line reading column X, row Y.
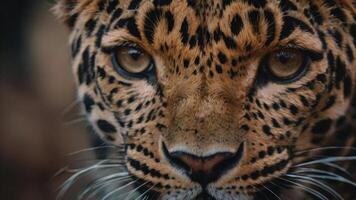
column 135, row 55
column 284, row 57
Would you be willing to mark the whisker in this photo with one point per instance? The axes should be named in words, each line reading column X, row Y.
column 325, row 148
column 346, row 174
column 70, row 107
column 94, row 149
column 340, row 179
column 65, row 186
column 341, row 169
column 73, row 170
column 59, row 172
column 102, row 182
column 66, row 169
column 317, row 183
column 118, row 189
column 135, row 190
column 74, row 121
column 301, row 152
column 279, row 186
column 261, row 192
column 103, row 188
column 147, row 191
column 71, row 180
column 325, row 175
column 326, row 160
column 308, row 170
column 274, row 194
column 87, row 162
column 307, row 189
column 329, row 164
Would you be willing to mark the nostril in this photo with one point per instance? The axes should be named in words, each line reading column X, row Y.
column 204, row 169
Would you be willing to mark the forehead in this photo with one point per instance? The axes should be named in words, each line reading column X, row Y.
column 210, row 8
column 240, row 25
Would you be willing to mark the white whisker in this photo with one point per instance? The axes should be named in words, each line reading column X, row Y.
column 92, row 149
column 341, row 169
column 307, row 189
column 135, row 190
column 70, row 181
column 325, row 175
column 317, row 183
column 143, row 194
column 327, row 160
column 274, row 194
column 102, row 182
column 70, row 107
column 325, row 148
column 118, row 189
column 74, row 121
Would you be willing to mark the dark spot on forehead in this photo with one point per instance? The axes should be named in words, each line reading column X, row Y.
column 170, row 20
column 254, row 18
column 134, row 4
column 236, row 24
column 111, row 6
column 184, row 31
column 315, row 13
column 290, row 24
column 287, row 5
column 162, row 2
column 222, row 58
column 151, row 20
column 132, row 27
column 338, row 13
column 267, row 130
column 258, row 3
column 271, row 29
column 219, row 69
column 226, row 3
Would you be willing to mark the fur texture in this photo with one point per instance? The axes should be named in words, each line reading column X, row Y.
column 208, row 95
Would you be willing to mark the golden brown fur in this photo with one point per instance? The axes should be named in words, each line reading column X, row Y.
column 207, row 97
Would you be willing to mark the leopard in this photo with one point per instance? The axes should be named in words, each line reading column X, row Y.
column 221, row 99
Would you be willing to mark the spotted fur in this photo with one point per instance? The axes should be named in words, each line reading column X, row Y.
column 209, row 95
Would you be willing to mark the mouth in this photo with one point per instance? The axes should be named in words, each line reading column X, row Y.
column 204, row 196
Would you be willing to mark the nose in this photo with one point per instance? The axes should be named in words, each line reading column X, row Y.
column 204, row 169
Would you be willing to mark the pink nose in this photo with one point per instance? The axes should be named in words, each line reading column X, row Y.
column 202, row 165
column 206, row 169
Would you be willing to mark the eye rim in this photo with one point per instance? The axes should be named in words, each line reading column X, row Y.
column 301, row 71
column 148, row 73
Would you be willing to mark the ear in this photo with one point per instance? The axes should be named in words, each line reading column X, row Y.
column 67, row 11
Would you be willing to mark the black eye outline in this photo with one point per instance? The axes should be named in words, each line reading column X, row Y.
column 302, row 70
column 149, row 73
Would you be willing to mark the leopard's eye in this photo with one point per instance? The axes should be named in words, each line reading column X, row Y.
column 132, row 62
column 286, row 65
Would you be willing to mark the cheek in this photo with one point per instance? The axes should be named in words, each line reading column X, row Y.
column 102, row 120
column 130, row 101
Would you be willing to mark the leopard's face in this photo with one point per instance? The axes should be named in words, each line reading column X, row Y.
column 212, row 98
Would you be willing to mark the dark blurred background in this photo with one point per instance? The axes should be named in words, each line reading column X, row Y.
column 36, row 86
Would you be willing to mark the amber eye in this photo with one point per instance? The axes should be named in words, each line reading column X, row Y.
column 287, row 65
column 131, row 61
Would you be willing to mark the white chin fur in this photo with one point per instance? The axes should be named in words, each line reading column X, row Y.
column 220, row 195
column 182, row 195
